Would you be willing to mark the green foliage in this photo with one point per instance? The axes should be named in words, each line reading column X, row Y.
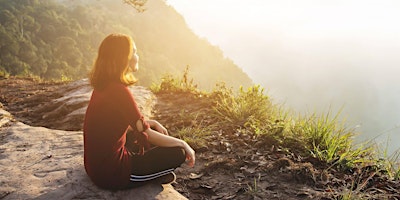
column 54, row 39
column 322, row 137
column 3, row 73
column 389, row 163
column 194, row 136
column 253, row 189
column 251, row 112
column 327, row 139
column 250, row 108
column 43, row 38
column 170, row 83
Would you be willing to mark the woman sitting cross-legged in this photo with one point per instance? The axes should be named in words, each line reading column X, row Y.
column 117, row 138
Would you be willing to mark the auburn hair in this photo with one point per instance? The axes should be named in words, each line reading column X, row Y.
column 112, row 62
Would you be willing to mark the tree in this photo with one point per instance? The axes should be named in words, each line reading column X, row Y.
column 56, row 39
column 137, row 4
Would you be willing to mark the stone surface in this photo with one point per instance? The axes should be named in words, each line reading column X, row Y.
column 67, row 111
column 43, row 163
column 5, row 117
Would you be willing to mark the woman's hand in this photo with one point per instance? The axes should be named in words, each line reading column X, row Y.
column 158, row 139
column 157, row 126
column 190, row 154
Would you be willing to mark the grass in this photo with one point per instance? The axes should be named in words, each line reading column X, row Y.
column 3, row 73
column 170, row 83
column 196, row 136
column 250, row 108
column 253, row 189
column 390, row 163
column 329, row 140
column 321, row 136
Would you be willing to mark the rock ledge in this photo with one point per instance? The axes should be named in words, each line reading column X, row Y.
column 42, row 163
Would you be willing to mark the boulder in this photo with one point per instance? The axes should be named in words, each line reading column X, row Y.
column 42, row 163
column 47, row 163
column 67, row 110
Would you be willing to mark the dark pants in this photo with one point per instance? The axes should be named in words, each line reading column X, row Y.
column 156, row 162
column 158, row 159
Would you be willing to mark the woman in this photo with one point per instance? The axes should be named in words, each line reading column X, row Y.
column 116, row 135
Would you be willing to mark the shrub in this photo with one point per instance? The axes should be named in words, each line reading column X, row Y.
column 327, row 139
column 170, row 83
column 250, row 108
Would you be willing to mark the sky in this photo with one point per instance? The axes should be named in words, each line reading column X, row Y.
column 314, row 55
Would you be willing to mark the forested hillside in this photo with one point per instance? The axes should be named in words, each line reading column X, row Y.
column 59, row 39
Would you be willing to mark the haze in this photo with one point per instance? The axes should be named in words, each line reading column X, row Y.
column 314, row 56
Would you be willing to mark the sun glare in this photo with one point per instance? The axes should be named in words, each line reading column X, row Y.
column 304, row 18
column 338, row 50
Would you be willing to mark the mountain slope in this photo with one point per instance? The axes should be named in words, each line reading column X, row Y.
column 59, row 39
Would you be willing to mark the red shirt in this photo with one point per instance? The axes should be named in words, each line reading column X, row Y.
column 110, row 113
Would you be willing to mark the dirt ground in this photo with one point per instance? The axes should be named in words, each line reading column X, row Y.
column 231, row 165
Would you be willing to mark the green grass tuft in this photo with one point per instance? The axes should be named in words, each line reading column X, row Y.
column 329, row 140
column 250, row 108
column 170, row 83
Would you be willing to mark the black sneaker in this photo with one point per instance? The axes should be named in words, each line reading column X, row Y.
column 166, row 179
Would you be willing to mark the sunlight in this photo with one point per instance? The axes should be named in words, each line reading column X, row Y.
column 343, row 51
column 305, row 18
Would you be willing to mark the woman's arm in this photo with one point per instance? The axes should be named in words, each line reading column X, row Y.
column 162, row 140
column 157, row 126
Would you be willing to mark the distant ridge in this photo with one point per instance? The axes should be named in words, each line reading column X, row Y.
column 59, row 40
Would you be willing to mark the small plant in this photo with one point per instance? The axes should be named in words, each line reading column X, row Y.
column 253, row 189
column 194, row 136
column 356, row 191
column 328, row 140
column 349, row 195
column 4, row 73
column 250, row 108
column 397, row 174
column 389, row 163
column 65, row 78
column 170, row 83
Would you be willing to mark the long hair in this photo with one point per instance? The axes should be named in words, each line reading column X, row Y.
column 112, row 62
